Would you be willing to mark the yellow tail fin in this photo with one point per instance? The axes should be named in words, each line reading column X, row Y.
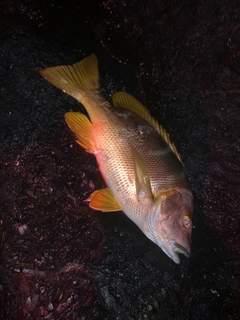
column 75, row 79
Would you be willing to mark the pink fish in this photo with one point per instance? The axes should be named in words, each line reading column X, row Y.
column 140, row 165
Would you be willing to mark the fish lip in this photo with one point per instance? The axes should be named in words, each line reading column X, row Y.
column 177, row 248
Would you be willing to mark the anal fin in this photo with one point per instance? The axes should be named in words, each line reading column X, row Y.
column 80, row 125
column 104, row 201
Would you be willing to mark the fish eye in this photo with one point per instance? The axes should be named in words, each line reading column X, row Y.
column 187, row 222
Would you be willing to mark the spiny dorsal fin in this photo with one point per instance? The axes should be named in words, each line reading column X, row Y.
column 75, row 79
column 126, row 101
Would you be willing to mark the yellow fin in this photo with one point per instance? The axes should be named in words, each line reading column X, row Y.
column 103, row 200
column 80, row 125
column 143, row 186
column 75, row 79
column 126, row 101
column 167, row 193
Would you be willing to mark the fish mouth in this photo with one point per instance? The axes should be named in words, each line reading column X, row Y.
column 177, row 248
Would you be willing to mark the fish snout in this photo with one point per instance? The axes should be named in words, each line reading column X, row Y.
column 176, row 249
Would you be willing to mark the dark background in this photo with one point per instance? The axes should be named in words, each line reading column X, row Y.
column 61, row 260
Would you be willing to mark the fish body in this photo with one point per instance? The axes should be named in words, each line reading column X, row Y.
column 141, row 167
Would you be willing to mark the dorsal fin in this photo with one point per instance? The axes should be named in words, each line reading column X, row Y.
column 126, row 101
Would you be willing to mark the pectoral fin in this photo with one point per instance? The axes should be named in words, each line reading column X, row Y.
column 168, row 193
column 143, row 186
column 80, row 125
column 103, row 200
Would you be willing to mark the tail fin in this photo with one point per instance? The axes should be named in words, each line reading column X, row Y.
column 76, row 79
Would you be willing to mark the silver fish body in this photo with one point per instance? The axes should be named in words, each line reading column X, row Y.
column 141, row 167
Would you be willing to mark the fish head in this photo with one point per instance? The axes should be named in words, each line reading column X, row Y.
column 169, row 223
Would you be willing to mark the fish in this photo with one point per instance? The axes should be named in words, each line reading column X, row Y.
column 139, row 163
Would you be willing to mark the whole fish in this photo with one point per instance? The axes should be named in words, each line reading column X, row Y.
column 140, row 165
